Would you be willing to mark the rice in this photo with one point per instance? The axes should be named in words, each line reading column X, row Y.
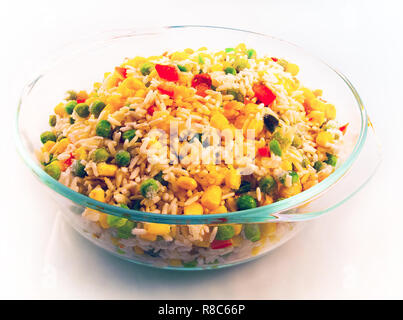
column 178, row 172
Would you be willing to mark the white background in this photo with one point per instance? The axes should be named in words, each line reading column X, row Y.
column 354, row 252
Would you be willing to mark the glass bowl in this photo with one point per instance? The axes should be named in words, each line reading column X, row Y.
column 279, row 222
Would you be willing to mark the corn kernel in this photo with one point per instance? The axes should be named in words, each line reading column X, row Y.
column 317, row 116
column 287, row 192
column 193, row 209
column 59, row 109
column 323, row 138
column 237, row 228
column 158, row 229
column 212, row 197
column 286, row 165
column 236, row 241
column 219, row 121
column 292, row 68
column 203, row 244
column 175, row 262
column 268, row 229
column 180, row 55
column 233, row 179
column 317, row 105
column 148, row 237
column 187, row 183
column 80, row 153
column 61, row 145
column 216, row 67
column 103, row 220
column 105, row 169
column 138, row 250
column 140, row 93
column 318, row 92
column 48, row 145
column 220, row 209
column 330, row 111
column 97, row 194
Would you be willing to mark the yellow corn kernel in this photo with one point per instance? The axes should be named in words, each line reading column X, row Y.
column 187, row 183
column 80, row 153
column 220, row 209
column 323, row 138
column 193, row 209
column 286, row 165
column 180, row 55
column 330, row 111
column 317, row 92
column 292, row 68
column 188, row 50
column 233, row 179
column 256, row 125
column 219, row 121
column 236, row 241
column 240, row 47
column 48, row 145
column 237, row 228
column 256, row 250
column 136, row 61
column 103, row 220
column 251, row 108
column 317, row 105
column 148, row 237
column 175, row 262
column 317, row 116
column 268, row 229
column 216, row 67
column 140, row 93
column 203, row 244
column 61, row 145
column 97, row 194
column 158, row 229
column 107, row 170
column 132, row 83
column 59, row 109
column 138, row 250
column 268, row 200
column 212, row 197
column 287, row 192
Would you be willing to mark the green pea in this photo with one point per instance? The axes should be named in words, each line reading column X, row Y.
column 275, row 147
column 331, row 159
column 71, row 95
column 190, row 264
column 229, row 49
column 128, row 135
column 294, row 177
column 160, row 179
column 53, row 169
column 230, row 70
column 267, row 184
column 246, row 202
column 97, row 107
column 240, row 64
column 82, row 109
column 122, row 158
column 115, row 222
column 200, row 59
column 135, row 204
column 71, row 120
column 252, row 232
column 318, row 165
column 52, row 120
column 103, row 129
column 238, row 96
column 296, row 142
column 146, row 68
column 78, row 169
column 149, row 188
column 244, row 187
column 282, row 140
column 225, row 232
column 125, row 231
column 48, row 136
column 100, row 155
column 251, row 53
column 182, row 68
column 69, row 107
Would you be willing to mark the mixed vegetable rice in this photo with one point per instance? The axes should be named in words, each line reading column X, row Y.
column 101, row 143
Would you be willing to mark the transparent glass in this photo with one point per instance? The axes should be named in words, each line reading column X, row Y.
column 90, row 58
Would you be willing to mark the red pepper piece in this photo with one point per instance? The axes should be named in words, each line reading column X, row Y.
column 166, row 90
column 122, row 72
column 202, row 78
column 343, row 128
column 166, row 72
column 219, row 244
column 201, row 89
column 264, row 152
column 80, row 100
column 263, row 94
column 274, row 59
column 68, row 162
column 151, row 110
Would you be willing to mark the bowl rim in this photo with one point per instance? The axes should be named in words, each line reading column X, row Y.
column 267, row 212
